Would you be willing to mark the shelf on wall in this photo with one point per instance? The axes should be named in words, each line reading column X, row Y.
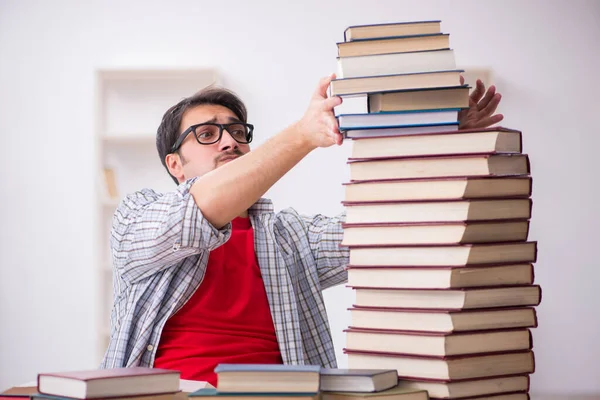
column 130, row 105
column 110, row 203
column 129, row 139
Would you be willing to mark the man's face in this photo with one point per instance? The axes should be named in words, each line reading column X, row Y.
column 198, row 159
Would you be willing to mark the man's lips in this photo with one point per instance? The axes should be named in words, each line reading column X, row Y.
column 228, row 158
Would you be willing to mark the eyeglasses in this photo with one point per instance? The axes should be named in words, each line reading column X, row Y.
column 210, row 133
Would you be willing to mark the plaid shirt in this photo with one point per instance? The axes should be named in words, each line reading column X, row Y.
column 160, row 246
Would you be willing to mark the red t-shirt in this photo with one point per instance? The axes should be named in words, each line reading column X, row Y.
column 227, row 319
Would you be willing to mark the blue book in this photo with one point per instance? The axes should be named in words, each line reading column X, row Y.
column 268, row 378
column 398, row 118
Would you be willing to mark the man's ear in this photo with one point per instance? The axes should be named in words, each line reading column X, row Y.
column 175, row 166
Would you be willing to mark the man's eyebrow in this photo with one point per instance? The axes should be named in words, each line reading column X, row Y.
column 230, row 119
column 210, row 121
column 233, row 119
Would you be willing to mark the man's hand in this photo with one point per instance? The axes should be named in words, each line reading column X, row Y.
column 318, row 125
column 480, row 113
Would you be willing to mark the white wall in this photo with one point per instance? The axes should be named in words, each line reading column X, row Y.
column 545, row 57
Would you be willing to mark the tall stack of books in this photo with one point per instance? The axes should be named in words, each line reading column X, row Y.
column 437, row 222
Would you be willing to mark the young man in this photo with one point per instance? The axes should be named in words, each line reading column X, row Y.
column 208, row 273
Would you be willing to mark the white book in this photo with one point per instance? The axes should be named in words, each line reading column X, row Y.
column 395, row 63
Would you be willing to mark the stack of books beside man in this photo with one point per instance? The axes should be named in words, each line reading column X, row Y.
column 437, row 222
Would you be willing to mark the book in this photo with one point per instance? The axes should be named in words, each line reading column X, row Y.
column 21, row 391
column 447, row 367
column 444, row 255
column 209, row 393
column 456, row 232
column 107, row 383
column 357, row 32
column 437, row 320
column 436, row 343
column 455, row 188
column 499, row 396
column 380, row 212
column 357, row 380
column 396, row 44
column 395, row 393
column 168, row 396
column 440, row 278
column 395, row 82
column 439, row 166
column 395, row 63
column 352, row 133
column 422, row 99
column 268, row 378
column 189, row 386
column 470, row 387
column 474, row 141
column 449, row 299
column 396, row 123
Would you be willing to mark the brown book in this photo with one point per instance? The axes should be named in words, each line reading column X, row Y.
column 439, row 166
column 395, row 393
column 440, row 278
column 447, row 367
column 109, row 383
column 19, row 392
column 460, row 389
column 214, row 394
column 357, row 380
column 424, row 99
column 498, row 396
column 458, row 232
column 443, row 255
column 372, row 31
column 267, row 378
column 401, row 44
column 450, row 299
column 407, row 319
column 436, row 343
column 491, row 140
column 438, row 189
column 168, row 396
column 385, row 212
column 396, row 82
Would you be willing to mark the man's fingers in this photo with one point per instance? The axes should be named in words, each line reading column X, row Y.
column 333, row 124
column 492, row 105
column 478, row 92
column 489, row 121
column 489, row 95
column 321, row 91
column 332, row 102
column 462, row 80
column 496, row 118
column 337, row 137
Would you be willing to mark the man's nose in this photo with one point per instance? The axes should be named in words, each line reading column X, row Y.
column 227, row 142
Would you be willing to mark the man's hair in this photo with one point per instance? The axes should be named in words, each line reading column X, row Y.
column 169, row 128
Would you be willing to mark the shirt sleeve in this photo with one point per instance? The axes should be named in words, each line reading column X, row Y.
column 152, row 231
column 324, row 237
